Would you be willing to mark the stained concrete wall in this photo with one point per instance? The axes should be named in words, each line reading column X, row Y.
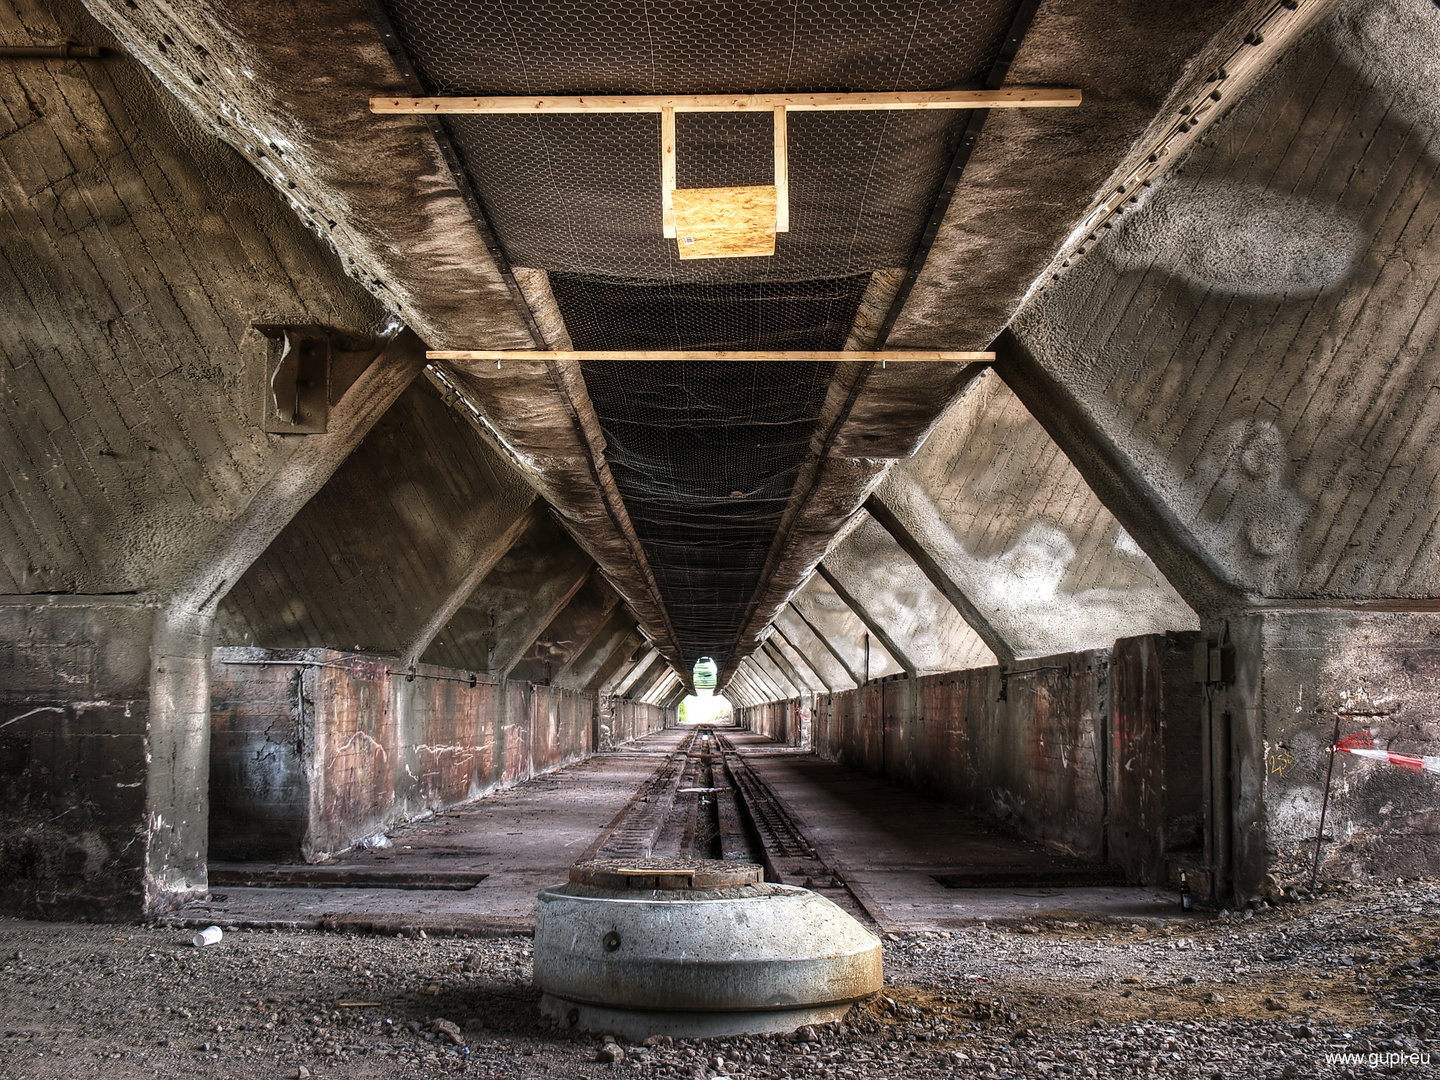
column 74, row 693
column 787, row 722
column 1297, row 673
column 313, row 749
column 1052, row 747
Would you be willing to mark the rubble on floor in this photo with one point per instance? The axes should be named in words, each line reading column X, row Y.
column 1274, row 993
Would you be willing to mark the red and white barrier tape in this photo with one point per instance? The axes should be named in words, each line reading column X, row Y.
column 1364, row 744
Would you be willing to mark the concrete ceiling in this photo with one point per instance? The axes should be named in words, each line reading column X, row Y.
column 1225, row 400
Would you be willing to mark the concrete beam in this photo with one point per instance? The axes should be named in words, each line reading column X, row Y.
column 762, row 659
column 585, row 651
column 614, row 659
column 568, row 631
column 489, row 555
column 739, row 693
column 748, row 685
column 767, row 685
column 647, row 682
column 787, row 643
column 1118, row 482
column 797, row 679
column 820, row 637
column 178, row 778
column 549, row 602
column 871, row 624
column 642, row 666
column 942, row 581
column 661, row 689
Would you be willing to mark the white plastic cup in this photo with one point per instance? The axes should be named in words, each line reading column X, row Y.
column 209, row 936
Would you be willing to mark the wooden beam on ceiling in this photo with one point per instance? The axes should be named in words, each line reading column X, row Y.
column 1015, row 97
column 894, row 356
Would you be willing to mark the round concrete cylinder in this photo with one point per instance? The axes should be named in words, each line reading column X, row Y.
column 744, row 959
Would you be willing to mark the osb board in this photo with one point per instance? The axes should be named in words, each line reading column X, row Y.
column 725, row 223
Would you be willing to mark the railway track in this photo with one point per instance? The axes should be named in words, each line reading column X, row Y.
column 705, row 801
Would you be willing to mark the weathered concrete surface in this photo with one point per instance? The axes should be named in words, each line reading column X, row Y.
column 249, row 71
column 1154, row 769
column 896, row 593
column 1035, row 173
column 142, row 251
column 402, row 524
column 522, row 837
column 308, row 759
column 74, row 694
column 827, row 613
column 763, row 948
column 499, row 622
column 1297, row 672
column 1266, row 376
column 1009, row 518
column 567, row 633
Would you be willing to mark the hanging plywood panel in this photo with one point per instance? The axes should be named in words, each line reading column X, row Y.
column 725, row 223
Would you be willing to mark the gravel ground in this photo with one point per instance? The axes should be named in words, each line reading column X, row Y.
column 1355, row 971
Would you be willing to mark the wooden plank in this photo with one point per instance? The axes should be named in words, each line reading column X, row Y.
column 1015, row 97
column 667, row 171
column 894, row 356
column 724, row 223
column 782, row 172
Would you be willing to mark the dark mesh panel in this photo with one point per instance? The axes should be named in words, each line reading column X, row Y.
column 705, row 454
column 581, row 193
column 604, row 315
column 489, row 47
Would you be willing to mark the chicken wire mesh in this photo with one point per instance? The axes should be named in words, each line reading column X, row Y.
column 705, row 455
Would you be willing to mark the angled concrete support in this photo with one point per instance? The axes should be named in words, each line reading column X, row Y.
column 584, row 653
column 864, row 616
column 820, row 637
column 178, row 778
column 614, row 658
column 739, row 692
column 493, row 552
column 764, row 680
column 550, row 600
column 762, row 661
column 757, row 695
column 1117, row 482
column 637, row 672
column 753, row 692
column 652, row 678
column 942, row 581
column 819, row 675
column 661, row 689
column 797, row 680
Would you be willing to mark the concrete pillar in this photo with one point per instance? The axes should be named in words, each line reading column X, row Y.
column 1289, row 679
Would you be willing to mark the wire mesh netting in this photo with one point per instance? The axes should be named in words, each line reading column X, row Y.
column 705, row 455
column 580, row 193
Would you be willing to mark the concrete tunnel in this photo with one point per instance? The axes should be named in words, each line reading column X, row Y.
column 380, row 460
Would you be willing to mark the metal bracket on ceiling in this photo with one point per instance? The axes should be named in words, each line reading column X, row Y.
column 306, row 367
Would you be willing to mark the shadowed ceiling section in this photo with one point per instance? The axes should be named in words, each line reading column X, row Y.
column 704, row 455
